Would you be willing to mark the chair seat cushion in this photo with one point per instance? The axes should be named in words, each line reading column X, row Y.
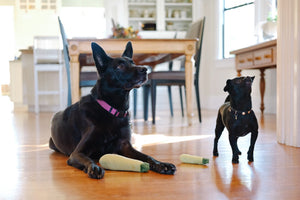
column 47, row 61
column 86, row 76
column 167, row 75
column 88, row 83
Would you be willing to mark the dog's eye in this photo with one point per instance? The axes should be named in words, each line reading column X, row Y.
column 238, row 81
column 121, row 67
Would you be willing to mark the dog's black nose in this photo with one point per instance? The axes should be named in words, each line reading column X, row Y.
column 142, row 69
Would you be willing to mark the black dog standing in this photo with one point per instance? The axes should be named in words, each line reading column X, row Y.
column 99, row 123
column 238, row 117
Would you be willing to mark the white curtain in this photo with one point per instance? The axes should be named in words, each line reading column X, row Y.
column 288, row 73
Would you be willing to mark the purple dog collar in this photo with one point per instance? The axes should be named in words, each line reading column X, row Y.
column 111, row 110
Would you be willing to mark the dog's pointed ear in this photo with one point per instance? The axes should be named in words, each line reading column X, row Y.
column 128, row 50
column 100, row 57
column 252, row 78
column 228, row 85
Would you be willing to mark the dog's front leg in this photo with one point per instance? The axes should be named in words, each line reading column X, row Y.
column 254, row 135
column 234, row 147
column 157, row 166
column 80, row 159
column 218, row 132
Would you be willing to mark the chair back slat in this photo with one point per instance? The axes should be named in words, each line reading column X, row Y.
column 47, row 50
column 199, row 47
column 66, row 59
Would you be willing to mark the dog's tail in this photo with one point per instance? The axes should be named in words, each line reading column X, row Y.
column 227, row 99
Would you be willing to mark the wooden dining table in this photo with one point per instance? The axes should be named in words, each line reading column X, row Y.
column 146, row 52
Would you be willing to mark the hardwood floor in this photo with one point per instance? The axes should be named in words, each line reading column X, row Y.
column 30, row 170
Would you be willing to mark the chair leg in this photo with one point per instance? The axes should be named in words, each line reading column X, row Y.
column 181, row 101
column 170, row 100
column 134, row 102
column 198, row 99
column 61, row 90
column 146, row 98
column 69, row 85
column 153, row 100
column 36, row 92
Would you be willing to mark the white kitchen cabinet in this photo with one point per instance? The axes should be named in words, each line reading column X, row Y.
column 160, row 15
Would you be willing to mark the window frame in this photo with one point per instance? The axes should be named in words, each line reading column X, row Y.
column 251, row 2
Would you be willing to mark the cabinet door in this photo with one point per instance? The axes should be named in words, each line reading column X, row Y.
column 142, row 14
column 160, row 15
column 178, row 14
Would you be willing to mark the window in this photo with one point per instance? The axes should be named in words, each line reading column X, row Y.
column 27, row 4
column 48, row 4
column 30, row 5
column 238, row 25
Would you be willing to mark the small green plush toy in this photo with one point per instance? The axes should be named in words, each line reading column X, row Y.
column 191, row 159
column 120, row 163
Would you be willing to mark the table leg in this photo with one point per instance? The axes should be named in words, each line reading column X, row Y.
column 262, row 90
column 74, row 65
column 189, row 87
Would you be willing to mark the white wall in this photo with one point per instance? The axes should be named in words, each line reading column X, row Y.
column 44, row 22
column 116, row 10
column 6, row 41
column 34, row 23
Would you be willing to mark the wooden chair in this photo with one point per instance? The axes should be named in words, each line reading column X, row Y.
column 86, row 78
column 150, row 61
column 170, row 78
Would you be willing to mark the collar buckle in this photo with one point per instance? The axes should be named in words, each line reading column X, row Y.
column 237, row 112
column 111, row 109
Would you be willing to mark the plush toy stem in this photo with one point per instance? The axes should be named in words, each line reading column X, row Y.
column 145, row 167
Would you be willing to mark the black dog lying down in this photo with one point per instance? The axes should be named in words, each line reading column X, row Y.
column 99, row 123
column 238, row 117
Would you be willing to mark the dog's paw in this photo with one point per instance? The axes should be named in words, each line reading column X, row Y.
column 250, row 158
column 94, row 171
column 163, row 168
column 216, row 153
column 235, row 159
